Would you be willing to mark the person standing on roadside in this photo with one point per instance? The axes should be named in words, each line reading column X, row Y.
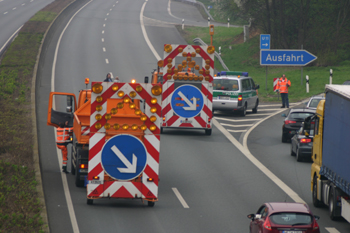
column 282, row 86
column 63, row 138
column 108, row 78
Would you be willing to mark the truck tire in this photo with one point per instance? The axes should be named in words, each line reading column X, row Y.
column 150, row 203
column 72, row 168
column 208, row 131
column 332, row 205
column 315, row 201
column 244, row 110
column 255, row 109
column 78, row 182
column 161, row 130
column 90, row 201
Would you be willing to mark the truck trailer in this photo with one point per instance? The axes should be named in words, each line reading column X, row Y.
column 330, row 171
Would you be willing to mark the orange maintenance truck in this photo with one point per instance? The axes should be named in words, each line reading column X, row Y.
column 116, row 140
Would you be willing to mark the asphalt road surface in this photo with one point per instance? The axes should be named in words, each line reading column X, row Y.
column 13, row 14
column 218, row 183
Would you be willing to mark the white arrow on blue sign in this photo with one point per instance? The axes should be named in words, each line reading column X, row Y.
column 124, row 157
column 187, row 101
column 285, row 57
column 264, row 41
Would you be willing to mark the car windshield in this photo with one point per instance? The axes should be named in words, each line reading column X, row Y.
column 226, row 85
column 300, row 115
column 291, row 219
column 314, row 103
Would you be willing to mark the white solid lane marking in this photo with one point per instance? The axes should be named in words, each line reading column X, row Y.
column 10, row 38
column 178, row 195
column 102, row 39
column 261, row 114
column 145, row 33
column 225, row 119
column 293, row 195
column 70, row 206
column 236, row 131
column 103, row 32
column 107, row 61
column 236, row 125
column 104, row 49
column 331, row 230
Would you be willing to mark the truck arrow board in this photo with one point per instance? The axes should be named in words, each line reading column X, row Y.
column 274, row 57
column 187, row 101
column 192, row 106
column 124, row 157
column 130, row 167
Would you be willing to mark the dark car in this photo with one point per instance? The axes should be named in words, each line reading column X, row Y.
column 277, row 217
column 313, row 102
column 301, row 144
column 347, row 82
column 293, row 121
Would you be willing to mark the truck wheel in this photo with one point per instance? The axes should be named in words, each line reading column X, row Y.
column 161, row 130
column 150, row 203
column 255, row 109
column 315, row 201
column 208, row 131
column 244, row 110
column 72, row 168
column 299, row 158
column 90, row 201
column 332, row 204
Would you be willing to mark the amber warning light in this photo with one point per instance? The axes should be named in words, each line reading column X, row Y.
column 87, row 80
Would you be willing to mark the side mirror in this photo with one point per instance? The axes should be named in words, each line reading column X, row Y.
column 284, row 115
column 252, row 216
column 146, row 79
column 317, row 217
column 69, row 109
column 257, row 87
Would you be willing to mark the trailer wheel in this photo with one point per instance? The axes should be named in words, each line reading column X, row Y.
column 90, row 201
column 150, row 203
column 332, row 204
column 315, row 201
column 208, row 131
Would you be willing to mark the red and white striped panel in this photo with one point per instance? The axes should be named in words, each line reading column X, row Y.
column 124, row 189
column 275, row 81
column 178, row 50
column 172, row 120
column 85, row 130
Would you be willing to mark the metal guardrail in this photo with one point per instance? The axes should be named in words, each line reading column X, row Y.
column 194, row 2
column 200, row 41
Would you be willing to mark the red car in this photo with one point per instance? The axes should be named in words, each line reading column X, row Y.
column 284, row 217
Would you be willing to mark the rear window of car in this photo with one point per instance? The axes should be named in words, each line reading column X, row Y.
column 300, row 115
column 291, row 219
column 226, row 85
column 314, row 103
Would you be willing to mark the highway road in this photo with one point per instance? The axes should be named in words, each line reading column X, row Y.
column 217, row 182
column 13, row 14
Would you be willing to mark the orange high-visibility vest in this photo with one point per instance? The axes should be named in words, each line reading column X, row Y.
column 282, row 85
column 63, row 135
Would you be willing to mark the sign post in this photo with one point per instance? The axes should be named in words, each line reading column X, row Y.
column 265, row 44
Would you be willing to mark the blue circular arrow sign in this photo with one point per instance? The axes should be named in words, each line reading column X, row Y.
column 187, row 101
column 124, row 157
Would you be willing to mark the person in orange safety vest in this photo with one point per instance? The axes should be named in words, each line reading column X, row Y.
column 282, row 86
column 62, row 140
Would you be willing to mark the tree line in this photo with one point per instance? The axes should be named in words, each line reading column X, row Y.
column 321, row 27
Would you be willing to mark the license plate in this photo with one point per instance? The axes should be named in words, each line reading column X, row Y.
column 292, row 231
column 95, row 181
column 224, row 97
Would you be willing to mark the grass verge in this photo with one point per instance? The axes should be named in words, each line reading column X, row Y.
column 245, row 56
column 20, row 208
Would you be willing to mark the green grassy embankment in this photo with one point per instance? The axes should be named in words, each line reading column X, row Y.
column 20, row 207
column 245, row 56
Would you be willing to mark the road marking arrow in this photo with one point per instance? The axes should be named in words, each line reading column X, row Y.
column 130, row 168
column 192, row 106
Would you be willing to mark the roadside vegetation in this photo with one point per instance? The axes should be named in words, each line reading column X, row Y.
column 20, row 208
column 288, row 31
